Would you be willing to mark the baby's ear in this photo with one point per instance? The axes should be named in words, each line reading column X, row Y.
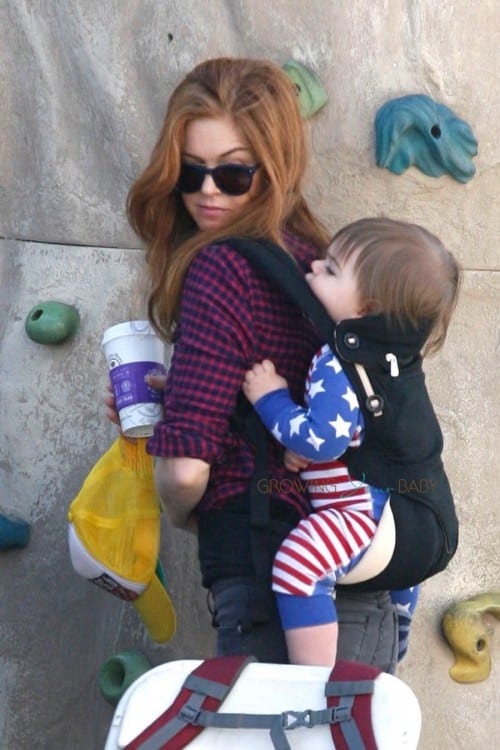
column 362, row 311
column 368, row 307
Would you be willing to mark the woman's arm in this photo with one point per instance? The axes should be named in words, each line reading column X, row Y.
column 181, row 483
column 211, row 352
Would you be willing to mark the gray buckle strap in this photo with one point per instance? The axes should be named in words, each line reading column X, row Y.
column 273, row 722
column 349, row 728
column 206, row 687
column 187, row 715
column 311, row 718
column 287, row 720
column 278, row 724
column 359, row 687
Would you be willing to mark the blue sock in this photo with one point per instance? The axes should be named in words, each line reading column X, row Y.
column 405, row 601
column 304, row 611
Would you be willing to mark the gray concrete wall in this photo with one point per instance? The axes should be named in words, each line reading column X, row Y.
column 83, row 87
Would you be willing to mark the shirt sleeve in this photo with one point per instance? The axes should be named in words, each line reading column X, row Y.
column 211, row 354
column 323, row 429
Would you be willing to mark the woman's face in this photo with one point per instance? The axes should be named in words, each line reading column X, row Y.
column 211, row 141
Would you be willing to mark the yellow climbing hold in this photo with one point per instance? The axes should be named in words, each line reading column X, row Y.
column 469, row 636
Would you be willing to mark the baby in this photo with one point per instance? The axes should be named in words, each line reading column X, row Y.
column 402, row 277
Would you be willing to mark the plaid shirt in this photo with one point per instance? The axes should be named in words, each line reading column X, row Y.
column 231, row 318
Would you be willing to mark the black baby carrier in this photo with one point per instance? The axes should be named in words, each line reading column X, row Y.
column 401, row 450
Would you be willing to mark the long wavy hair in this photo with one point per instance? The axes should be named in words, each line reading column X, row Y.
column 262, row 102
column 404, row 272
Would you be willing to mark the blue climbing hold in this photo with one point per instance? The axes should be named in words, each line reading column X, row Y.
column 415, row 130
column 14, row 532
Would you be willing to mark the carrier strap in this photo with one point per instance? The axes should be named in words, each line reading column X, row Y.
column 260, row 516
column 280, row 269
column 342, row 717
column 348, row 711
column 278, row 724
column 204, row 689
column 350, row 688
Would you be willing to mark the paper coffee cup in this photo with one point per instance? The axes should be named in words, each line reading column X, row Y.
column 133, row 350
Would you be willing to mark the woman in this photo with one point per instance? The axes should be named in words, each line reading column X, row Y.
column 229, row 161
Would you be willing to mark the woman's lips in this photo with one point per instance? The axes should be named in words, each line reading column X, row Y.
column 211, row 210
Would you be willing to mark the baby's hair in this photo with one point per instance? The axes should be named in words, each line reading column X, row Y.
column 403, row 272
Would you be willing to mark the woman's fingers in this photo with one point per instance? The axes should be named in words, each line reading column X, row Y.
column 156, row 381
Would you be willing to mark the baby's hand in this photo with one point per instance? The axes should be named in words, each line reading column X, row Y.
column 262, row 379
column 294, row 462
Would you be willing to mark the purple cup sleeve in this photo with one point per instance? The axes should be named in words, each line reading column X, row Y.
column 129, row 386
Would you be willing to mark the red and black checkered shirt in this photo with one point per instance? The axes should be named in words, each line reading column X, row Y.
column 231, row 318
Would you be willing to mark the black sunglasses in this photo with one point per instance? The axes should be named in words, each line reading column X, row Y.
column 232, row 179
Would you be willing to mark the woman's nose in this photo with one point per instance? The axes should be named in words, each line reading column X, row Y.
column 208, row 185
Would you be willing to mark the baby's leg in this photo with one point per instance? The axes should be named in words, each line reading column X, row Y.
column 310, row 625
column 315, row 645
column 304, row 574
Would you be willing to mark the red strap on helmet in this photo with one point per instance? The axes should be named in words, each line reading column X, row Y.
column 350, row 688
column 209, row 684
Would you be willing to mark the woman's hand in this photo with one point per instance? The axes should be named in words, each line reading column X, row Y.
column 262, row 379
column 111, row 411
column 155, row 381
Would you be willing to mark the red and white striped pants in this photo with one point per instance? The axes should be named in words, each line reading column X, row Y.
column 324, row 545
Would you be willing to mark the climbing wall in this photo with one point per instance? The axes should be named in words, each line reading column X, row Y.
column 83, row 88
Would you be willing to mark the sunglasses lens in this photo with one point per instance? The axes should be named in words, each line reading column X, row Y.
column 190, row 179
column 233, row 179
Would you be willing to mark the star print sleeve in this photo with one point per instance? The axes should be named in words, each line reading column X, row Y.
column 323, row 429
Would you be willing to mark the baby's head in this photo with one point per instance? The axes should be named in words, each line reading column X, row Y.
column 401, row 271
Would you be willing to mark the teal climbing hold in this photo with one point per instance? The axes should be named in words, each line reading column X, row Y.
column 310, row 92
column 119, row 672
column 415, row 130
column 160, row 572
column 52, row 322
column 14, row 532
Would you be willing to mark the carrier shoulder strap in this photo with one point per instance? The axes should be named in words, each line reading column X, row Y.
column 278, row 267
column 205, row 688
column 348, row 709
column 281, row 270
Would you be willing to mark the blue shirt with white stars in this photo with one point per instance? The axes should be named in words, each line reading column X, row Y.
column 331, row 419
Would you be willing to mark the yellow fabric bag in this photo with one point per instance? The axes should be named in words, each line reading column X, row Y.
column 114, row 533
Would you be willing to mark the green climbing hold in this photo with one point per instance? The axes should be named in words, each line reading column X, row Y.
column 119, row 672
column 52, row 322
column 310, row 91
